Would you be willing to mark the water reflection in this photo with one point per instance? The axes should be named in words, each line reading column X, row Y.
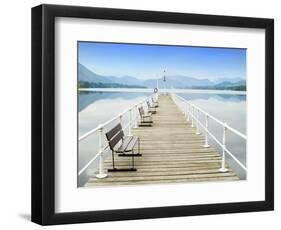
column 87, row 98
column 217, row 97
column 99, row 107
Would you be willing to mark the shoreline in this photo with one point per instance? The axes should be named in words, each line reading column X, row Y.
column 148, row 90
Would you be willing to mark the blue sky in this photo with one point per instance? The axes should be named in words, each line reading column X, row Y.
column 149, row 61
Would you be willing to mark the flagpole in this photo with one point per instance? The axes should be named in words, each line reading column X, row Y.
column 157, row 86
column 164, row 80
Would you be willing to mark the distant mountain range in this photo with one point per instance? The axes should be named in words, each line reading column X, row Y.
column 89, row 79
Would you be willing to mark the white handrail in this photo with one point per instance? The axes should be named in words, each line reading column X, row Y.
column 132, row 121
column 190, row 114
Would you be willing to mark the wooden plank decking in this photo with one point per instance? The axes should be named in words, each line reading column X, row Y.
column 171, row 152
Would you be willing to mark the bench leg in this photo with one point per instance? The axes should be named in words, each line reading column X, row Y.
column 121, row 169
column 133, row 162
column 113, row 166
column 139, row 146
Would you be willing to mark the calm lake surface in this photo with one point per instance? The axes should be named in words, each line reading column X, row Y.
column 98, row 107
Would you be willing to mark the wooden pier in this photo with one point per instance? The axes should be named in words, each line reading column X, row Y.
column 171, row 152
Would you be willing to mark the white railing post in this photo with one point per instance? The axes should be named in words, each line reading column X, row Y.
column 136, row 117
column 223, row 168
column 197, row 123
column 101, row 173
column 182, row 108
column 206, row 145
column 130, row 122
column 192, row 116
column 187, row 111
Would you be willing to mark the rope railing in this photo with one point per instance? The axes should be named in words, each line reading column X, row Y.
column 193, row 112
column 133, row 122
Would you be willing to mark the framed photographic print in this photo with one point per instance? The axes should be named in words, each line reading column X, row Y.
column 142, row 114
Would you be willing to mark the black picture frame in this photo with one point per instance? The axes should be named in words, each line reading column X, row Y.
column 43, row 114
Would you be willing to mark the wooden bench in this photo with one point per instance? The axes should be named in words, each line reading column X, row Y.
column 123, row 146
column 151, row 109
column 146, row 119
column 154, row 103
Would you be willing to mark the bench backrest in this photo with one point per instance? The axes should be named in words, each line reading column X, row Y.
column 148, row 104
column 141, row 111
column 114, row 135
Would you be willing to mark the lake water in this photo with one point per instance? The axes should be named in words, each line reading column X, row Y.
column 98, row 107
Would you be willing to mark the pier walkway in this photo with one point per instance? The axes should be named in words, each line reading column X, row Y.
column 171, row 152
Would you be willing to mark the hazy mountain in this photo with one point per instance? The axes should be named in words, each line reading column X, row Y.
column 174, row 81
column 86, row 75
column 178, row 82
column 129, row 80
column 189, row 81
column 231, row 84
column 232, row 80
